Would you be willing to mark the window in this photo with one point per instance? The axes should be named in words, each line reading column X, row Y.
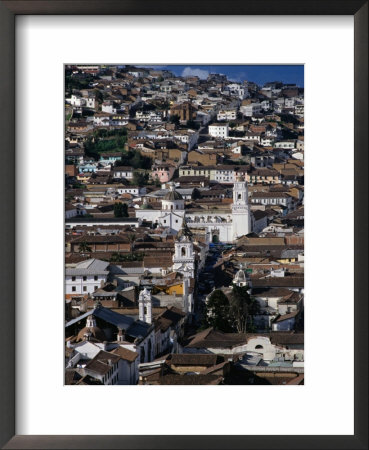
column 95, row 277
column 73, row 278
column 84, row 278
column 183, row 251
column 84, row 288
column 96, row 287
column 259, row 347
column 73, row 289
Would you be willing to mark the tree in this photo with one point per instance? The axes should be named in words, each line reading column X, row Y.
column 192, row 124
column 140, row 178
column 84, row 248
column 156, row 181
column 174, row 118
column 217, row 311
column 241, row 307
column 132, row 240
column 120, row 210
column 99, row 95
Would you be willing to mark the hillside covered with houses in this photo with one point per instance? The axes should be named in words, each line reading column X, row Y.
column 184, row 228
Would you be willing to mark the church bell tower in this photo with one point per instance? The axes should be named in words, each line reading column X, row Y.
column 241, row 219
column 184, row 257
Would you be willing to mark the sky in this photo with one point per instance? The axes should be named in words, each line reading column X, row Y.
column 259, row 74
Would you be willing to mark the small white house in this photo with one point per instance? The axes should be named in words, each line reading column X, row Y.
column 85, row 277
column 219, row 130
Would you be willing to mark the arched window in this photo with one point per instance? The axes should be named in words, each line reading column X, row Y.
column 171, row 206
column 259, row 347
column 183, row 251
column 239, row 197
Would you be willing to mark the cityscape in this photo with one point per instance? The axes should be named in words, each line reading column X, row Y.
column 184, row 225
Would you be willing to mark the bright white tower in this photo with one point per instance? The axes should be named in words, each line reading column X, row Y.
column 184, row 257
column 145, row 306
column 241, row 219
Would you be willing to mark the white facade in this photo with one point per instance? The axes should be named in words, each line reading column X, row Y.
column 77, row 101
column 184, row 258
column 286, row 145
column 83, row 284
column 241, row 219
column 171, row 213
column 145, row 306
column 219, row 130
column 86, row 277
column 227, row 114
column 251, row 110
column 238, row 89
column 190, row 138
column 108, row 108
column 123, row 173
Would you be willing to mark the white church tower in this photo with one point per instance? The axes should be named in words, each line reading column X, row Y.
column 241, row 219
column 184, row 257
column 145, row 306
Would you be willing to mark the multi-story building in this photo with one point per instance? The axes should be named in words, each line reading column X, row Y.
column 219, row 130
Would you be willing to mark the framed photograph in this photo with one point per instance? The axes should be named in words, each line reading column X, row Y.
column 154, row 248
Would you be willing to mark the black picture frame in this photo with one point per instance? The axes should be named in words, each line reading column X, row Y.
column 8, row 12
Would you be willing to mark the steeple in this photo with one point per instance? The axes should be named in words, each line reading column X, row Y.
column 240, row 277
column 241, row 217
column 184, row 234
column 145, row 306
column 184, row 257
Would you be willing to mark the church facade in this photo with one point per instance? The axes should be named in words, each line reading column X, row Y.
column 222, row 225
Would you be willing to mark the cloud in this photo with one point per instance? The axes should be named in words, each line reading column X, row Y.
column 189, row 72
column 239, row 77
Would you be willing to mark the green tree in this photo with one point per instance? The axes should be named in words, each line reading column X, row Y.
column 140, row 178
column 174, row 118
column 120, row 210
column 84, row 247
column 192, row 124
column 99, row 95
column 241, row 307
column 217, row 311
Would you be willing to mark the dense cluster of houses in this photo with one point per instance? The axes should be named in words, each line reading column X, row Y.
column 179, row 189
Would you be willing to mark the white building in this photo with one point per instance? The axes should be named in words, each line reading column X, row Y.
column 241, row 218
column 145, row 306
column 184, row 257
column 225, row 225
column 77, row 101
column 240, row 90
column 123, row 172
column 171, row 213
column 286, row 145
column 224, row 114
column 85, row 277
column 251, row 110
column 188, row 137
column 219, row 130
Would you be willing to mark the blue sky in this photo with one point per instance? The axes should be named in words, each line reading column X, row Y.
column 259, row 74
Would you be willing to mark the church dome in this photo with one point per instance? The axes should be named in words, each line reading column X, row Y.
column 173, row 195
column 93, row 332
